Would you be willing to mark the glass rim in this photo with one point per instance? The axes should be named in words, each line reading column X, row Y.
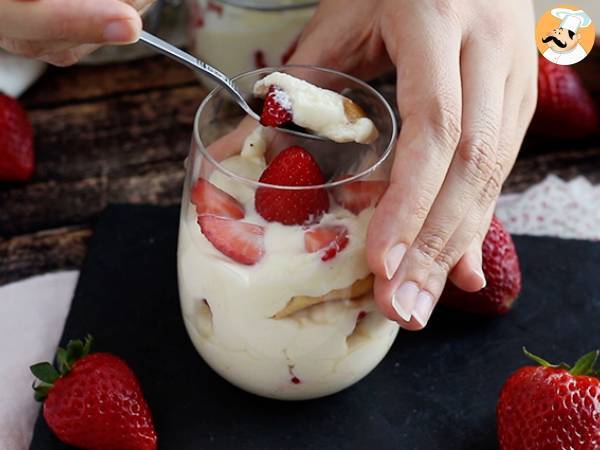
column 328, row 184
column 272, row 7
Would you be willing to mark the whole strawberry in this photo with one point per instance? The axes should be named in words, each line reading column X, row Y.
column 94, row 401
column 294, row 166
column 502, row 273
column 564, row 107
column 16, row 141
column 550, row 407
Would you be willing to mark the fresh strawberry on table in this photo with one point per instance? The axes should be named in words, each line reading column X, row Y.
column 294, row 166
column 94, row 400
column 277, row 108
column 359, row 195
column 209, row 199
column 241, row 241
column 502, row 273
column 16, row 141
column 549, row 406
column 327, row 239
column 564, row 107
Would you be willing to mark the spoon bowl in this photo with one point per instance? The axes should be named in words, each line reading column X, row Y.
column 215, row 75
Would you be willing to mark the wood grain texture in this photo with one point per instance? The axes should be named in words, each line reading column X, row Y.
column 119, row 134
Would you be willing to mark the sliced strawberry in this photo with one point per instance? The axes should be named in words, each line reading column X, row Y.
column 359, row 195
column 209, row 199
column 294, row 166
column 331, row 239
column 277, row 108
column 241, row 241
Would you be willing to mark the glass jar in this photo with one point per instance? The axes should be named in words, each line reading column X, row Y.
column 273, row 315
column 241, row 35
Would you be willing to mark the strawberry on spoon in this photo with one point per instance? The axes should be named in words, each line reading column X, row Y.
column 294, row 166
column 94, row 401
column 277, row 108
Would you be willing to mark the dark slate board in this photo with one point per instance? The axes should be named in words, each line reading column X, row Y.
column 436, row 388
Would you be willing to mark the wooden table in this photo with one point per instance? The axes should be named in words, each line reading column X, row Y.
column 119, row 134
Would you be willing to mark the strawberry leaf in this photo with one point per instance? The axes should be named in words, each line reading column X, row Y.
column 543, row 362
column 585, row 364
column 41, row 392
column 61, row 359
column 45, row 372
column 87, row 344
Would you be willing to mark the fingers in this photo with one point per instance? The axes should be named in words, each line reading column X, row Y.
column 472, row 182
column 430, row 105
column 78, row 21
column 71, row 55
column 467, row 274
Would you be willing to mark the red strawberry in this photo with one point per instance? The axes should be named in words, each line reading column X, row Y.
column 502, row 273
column 277, row 108
column 359, row 195
column 94, row 401
column 260, row 61
column 551, row 407
column 241, row 241
column 294, row 166
column 564, row 108
column 16, row 141
column 209, row 199
column 332, row 239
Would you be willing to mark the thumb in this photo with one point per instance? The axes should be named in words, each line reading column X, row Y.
column 77, row 21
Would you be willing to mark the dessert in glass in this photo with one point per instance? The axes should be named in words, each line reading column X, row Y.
column 275, row 290
column 241, row 35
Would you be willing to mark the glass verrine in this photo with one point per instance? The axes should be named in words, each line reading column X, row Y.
column 241, row 35
column 282, row 311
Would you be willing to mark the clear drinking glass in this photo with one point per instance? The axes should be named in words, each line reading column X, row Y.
column 291, row 323
column 241, row 35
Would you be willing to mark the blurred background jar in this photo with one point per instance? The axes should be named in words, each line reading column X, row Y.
column 241, row 35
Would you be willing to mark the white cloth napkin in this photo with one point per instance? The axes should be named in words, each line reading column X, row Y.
column 33, row 311
column 32, row 316
column 17, row 73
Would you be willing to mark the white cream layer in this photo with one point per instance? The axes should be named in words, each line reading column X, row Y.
column 319, row 110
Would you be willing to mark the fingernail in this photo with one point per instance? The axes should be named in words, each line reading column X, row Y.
column 481, row 276
column 119, row 32
column 403, row 300
column 423, row 308
column 393, row 259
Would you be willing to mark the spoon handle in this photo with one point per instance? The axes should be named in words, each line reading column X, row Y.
column 198, row 65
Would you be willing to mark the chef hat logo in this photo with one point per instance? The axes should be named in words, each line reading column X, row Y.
column 565, row 34
column 572, row 20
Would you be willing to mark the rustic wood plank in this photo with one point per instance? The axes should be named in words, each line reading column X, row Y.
column 126, row 149
column 45, row 251
column 80, row 83
column 119, row 133
column 63, row 248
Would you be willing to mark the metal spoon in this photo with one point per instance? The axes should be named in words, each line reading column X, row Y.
column 214, row 74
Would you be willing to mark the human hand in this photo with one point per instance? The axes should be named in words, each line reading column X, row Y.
column 466, row 91
column 63, row 31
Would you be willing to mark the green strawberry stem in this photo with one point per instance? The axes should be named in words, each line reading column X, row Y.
column 584, row 365
column 47, row 374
